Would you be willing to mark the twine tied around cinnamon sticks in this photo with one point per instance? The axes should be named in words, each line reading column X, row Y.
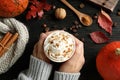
column 7, row 41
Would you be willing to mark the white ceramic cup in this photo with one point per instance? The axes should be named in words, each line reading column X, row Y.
column 59, row 46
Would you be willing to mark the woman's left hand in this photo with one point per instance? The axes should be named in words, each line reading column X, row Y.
column 38, row 51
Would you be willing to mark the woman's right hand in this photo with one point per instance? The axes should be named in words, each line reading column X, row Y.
column 74, row 64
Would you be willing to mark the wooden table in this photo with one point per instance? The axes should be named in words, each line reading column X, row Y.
column 89, row 71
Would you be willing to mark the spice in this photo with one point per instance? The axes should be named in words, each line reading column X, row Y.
column 76, row 34
column 54, row 7
column 60, row 13
column 79, row 26
column 5, row 40
column 64, row 28
column 95, row 17
column 118, row 13
column 86, row 20
column 82, row 5
column 75, row 27
column 82, row 39
column 76, row 22
column 74, row 30
column 44, row 25
column 11, row 39
column 115, row 24
column 47, row 29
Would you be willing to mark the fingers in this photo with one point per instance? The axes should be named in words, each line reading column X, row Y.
column 42, row 38
column 78, row 42
column 35, row 50
column 80, row 51
column 79, row 46
column 47, row 33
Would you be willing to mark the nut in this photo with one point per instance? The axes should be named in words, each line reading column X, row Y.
column 60, row 13
column 118, row 13
column 82, row 5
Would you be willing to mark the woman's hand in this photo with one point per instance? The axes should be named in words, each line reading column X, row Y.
column 74, row 64
column 38, row 51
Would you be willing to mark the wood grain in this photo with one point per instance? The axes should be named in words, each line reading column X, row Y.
column 107, row 4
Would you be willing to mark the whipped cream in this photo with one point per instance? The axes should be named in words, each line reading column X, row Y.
column 59, row 46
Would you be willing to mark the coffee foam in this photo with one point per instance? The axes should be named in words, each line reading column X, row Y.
column 59, row 46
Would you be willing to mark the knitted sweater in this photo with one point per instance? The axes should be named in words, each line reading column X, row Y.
column 40, row 70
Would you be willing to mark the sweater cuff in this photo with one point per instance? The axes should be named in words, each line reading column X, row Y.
column 66, row 76
column 38, row 69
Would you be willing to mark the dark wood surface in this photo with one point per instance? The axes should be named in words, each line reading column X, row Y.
column 107, row 4
column 89, row 71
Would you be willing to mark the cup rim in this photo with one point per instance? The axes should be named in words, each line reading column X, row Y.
column 55, row 60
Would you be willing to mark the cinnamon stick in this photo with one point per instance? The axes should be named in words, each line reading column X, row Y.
column 9, row 43
column 5, row 40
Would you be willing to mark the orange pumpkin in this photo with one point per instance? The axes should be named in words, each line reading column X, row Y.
column 12, row 8
column 108, row 61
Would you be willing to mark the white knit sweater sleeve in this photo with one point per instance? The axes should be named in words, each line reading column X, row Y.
column 38, row 70
column 66, row 76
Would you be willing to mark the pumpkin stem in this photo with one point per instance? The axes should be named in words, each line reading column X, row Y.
column 117, row 51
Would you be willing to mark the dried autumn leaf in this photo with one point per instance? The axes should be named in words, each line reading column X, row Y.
column 37, row 9
column 47, row 7
column 99, row 37
column 40, row 14
column 31, row 13
column 105, row 21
